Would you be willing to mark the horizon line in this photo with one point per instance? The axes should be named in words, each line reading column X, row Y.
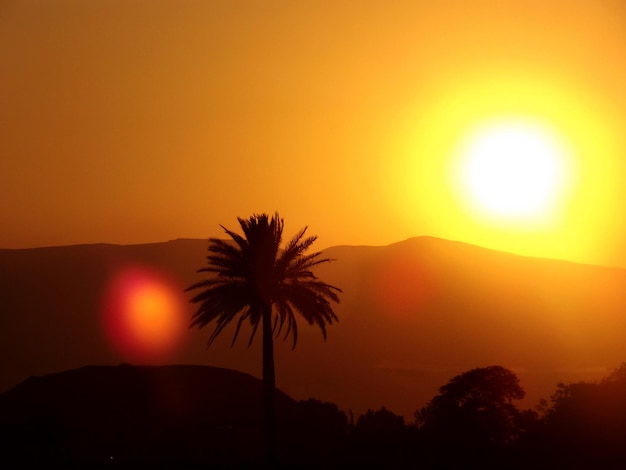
column 342, row 245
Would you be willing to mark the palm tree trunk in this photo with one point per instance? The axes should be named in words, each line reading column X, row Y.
column 269, row 385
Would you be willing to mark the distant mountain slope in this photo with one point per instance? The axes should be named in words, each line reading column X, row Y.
column 51, row 299
column 413, row 314
column 127, row 413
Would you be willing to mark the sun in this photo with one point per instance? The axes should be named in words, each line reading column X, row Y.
column 513, row 170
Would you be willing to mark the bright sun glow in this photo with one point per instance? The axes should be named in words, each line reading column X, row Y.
column 450, row 183
column 513, row 170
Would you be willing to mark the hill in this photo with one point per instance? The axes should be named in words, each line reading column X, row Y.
column 413, row 314
column 137, row 413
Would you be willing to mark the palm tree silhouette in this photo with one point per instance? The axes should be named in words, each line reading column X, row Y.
column 255, row 280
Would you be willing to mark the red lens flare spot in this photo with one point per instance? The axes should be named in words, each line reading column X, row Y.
column 143, row 314
column 403, row 287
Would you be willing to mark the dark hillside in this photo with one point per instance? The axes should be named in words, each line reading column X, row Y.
column 140, row 413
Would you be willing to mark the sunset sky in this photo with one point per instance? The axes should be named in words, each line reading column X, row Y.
column 131, row 121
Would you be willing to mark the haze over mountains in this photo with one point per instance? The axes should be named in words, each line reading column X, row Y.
column 412, row 315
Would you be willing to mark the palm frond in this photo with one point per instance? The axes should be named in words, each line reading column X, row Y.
column 255, row 317
column 219, row 299
column 250, row 274
column 222, row 321
column 238, row 239
column 312, row 302
column 295, row 248
column 299, row 245
column 321, row 288
column 302, row 265
column 285, row 312
column 203, row 283
column 245, row 314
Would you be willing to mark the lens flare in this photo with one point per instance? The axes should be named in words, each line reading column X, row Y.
column 402, row 287
column 143, row 314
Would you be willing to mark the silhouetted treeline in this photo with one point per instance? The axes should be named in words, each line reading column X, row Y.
column 472, row 423
column 584, row 426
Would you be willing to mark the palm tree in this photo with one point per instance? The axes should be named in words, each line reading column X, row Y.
column 255, row 280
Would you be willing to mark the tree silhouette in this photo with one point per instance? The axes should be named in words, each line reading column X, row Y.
column 318, row 433
column 474, row 412
column 585, row 426
column 380, row 421
column 255, row 280
column 380, row 439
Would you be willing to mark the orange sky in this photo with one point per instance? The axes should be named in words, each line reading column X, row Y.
column 129, row 121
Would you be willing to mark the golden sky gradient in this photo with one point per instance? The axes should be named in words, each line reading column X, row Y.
column 129, row 121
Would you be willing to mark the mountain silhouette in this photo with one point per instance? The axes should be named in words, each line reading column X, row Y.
column 413, row 314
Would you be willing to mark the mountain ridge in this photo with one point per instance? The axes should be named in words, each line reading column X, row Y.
column 343, row 245
column 412, row 315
